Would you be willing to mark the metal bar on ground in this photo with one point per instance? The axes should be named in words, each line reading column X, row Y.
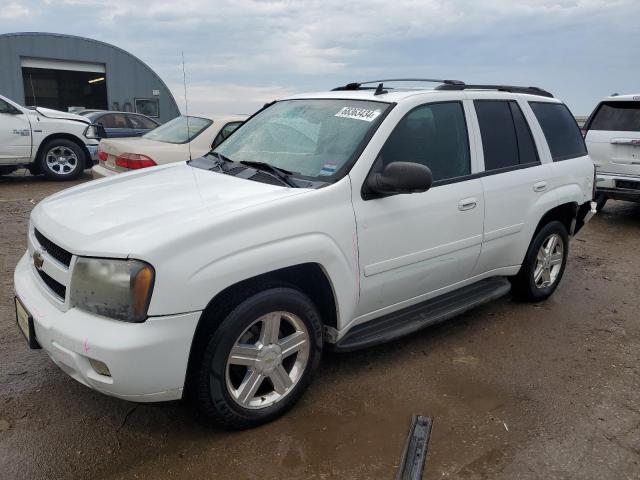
column 414, row 454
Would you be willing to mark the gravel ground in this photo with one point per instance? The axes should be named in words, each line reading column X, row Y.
column 548, row 390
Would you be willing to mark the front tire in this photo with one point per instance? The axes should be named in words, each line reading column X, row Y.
column 543, row 264
column 62, row 159
column 260, row 359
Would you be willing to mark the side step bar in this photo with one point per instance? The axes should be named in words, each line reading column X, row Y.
column 417, row 317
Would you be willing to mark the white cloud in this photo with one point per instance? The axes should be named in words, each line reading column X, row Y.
column 300, row 45
column 226, row 98
column 12, row 11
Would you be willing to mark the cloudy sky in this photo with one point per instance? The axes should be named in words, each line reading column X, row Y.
column 242, row 53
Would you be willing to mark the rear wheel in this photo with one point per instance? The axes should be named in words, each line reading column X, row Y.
column 259, row 361
column 544, row 263
column 600, row 200
column 62, row 159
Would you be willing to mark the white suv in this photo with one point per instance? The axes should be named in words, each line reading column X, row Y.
column 59, row 144
column 612, row 135
column 346, row 218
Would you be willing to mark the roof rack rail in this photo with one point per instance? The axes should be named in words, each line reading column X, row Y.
column 501, row 88
column 380, row 89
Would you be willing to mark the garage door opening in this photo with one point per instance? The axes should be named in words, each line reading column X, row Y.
column 64, row 85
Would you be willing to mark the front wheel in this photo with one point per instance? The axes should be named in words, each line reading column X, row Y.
column 543, row 264
column 260, row 360
column 62, row 159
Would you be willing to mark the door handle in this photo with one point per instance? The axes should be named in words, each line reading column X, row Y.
column 540, row 186
column 467, row 204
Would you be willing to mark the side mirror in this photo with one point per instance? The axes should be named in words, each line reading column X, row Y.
column 398, row 178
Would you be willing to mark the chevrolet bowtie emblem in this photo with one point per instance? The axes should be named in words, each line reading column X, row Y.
column 38, row 260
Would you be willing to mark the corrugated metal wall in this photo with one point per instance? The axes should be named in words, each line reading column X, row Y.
column 128, row 78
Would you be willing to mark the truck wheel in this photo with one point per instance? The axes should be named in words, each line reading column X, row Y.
column 600, row 200
column 62, row 159
column 543, row 264
column 260, row 359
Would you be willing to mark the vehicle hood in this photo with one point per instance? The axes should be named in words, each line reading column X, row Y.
column 132, row 214
column 50, row 113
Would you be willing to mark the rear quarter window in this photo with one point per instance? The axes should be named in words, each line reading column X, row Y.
column 560, row 130
column 616, row 116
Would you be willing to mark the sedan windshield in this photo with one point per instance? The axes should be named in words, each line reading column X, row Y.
column 311, row 137
column 176, row 131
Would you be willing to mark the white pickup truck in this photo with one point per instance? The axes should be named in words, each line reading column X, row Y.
column 59, row 144
column 335, row 219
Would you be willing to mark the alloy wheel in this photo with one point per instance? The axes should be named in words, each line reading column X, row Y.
column 61, row 160
column 549, row 261
column 267, row 360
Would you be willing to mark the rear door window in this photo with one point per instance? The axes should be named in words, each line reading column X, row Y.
column 114, row 120
column 138, row 121
column 506, row 137
column 560, row 129
column 617, row 117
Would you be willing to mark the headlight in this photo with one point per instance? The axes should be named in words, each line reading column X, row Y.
column 119, row 289
column 95, row 132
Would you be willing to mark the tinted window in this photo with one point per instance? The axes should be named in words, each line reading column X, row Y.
column 560, row 129
column 434, row 135
column 138, row 121
column 526, row 146
column 499, row 140
column 617, row 116
column 113, row 120
column 5, row 107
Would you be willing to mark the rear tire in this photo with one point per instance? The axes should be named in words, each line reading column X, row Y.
column 543, row 264
column 259, row 361
column 600, row 200
column 62, row 159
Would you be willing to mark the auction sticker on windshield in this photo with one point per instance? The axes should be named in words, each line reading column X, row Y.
column 358, row 113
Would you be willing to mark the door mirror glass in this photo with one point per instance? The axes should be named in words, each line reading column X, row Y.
column 398, row 178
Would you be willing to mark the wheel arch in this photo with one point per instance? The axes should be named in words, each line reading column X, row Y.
column 309, row 278
column 565, row 213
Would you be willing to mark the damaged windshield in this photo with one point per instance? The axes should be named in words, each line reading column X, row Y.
column 311, row 137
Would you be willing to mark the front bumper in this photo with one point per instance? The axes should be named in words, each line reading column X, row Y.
column 609, row 185
column 147, row 361
column 93, row 152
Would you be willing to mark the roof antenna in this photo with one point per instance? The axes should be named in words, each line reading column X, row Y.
column 186, row 105
column 33, row 91
column 380, row 90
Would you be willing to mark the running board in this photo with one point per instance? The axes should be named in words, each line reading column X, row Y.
column 417, row 317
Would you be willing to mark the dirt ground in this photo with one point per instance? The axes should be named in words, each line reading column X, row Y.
column 516, row 391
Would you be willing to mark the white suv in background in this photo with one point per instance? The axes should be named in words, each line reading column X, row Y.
column 612, row 135
column 59, row 144
column 343, row 218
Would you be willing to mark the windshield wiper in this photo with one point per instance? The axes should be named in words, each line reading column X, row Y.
column 220, row 159
column 279, row 173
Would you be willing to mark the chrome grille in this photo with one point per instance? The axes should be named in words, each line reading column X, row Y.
column 59, row 253
column 57, row 288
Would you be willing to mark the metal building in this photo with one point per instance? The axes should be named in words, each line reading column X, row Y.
column 67, row 73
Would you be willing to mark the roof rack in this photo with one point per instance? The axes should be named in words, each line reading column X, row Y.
column 444, row 85
column 380, row 88
column 501, row 88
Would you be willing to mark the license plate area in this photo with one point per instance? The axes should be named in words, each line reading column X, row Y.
column 25, row 324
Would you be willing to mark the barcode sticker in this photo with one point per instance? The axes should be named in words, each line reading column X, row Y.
column 358, row 113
